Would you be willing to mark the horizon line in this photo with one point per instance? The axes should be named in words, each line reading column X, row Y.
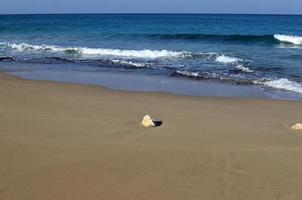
column 149, row 13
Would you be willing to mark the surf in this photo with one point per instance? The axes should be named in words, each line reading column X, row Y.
column 227, row 59
column 297, row 40
column 284, row 84
column 86, row 51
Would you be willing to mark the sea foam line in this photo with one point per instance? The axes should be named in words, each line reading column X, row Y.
column 187, row 73
column 146, row 53
column 123, row 62
column 284, row 84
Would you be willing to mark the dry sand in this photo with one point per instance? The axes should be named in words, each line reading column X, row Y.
column 76, row 142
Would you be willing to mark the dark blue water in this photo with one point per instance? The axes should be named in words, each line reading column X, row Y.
column 258, row 50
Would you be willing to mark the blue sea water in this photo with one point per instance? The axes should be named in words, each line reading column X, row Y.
column 262, row 51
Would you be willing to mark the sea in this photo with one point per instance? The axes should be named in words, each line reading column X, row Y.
column 249, row 56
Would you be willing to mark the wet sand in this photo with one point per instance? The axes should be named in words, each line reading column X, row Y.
column 66, row 141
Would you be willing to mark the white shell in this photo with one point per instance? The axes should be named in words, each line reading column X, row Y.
column 148, row 121
column 297, row 126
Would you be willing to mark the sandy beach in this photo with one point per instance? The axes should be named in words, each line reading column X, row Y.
column 78, row 142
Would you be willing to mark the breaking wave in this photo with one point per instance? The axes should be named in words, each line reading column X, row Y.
column 149, row 54
column 269, row 39
column 227, row 59
column 119, row 53
column 297, row 40
column 244, row 69
column 213, row 37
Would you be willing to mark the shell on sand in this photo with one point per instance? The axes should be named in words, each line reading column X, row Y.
column 297, row 126
column 148, row 121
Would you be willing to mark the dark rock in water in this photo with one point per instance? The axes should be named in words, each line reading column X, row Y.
column 6, row 58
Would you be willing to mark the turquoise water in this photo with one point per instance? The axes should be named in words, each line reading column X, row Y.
column 252, row 50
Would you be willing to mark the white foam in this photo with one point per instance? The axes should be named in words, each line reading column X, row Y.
column 227, row 59
column 128, row 63
column 29, row 47
column 284, row 84
column 151, row 54
column 244, row 69
column 188, row 73
column 289, row 39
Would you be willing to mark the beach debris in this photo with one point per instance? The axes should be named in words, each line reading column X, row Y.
column 148, row 121
column 297, row 127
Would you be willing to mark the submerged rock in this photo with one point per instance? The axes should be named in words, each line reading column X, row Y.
column 148, row 121
column 297, row 127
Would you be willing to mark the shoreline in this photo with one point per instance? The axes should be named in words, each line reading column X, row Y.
column 74, row 141
column 153, row 83
column 117, row 88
